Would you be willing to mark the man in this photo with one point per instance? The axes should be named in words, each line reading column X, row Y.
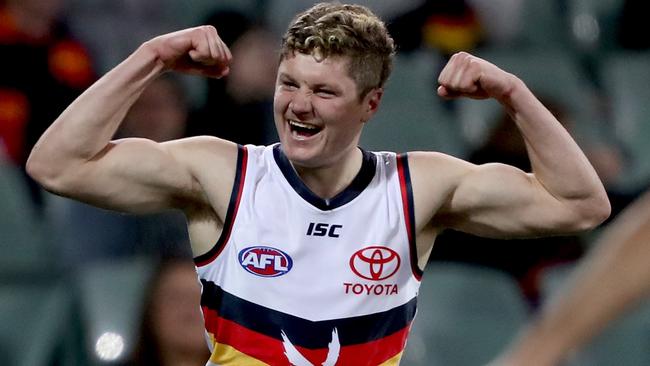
column 612, row 279
column 311, row 251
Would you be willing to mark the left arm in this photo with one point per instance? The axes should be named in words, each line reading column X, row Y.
column 562, row 194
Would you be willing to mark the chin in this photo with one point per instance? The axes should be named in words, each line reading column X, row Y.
column 304, row 156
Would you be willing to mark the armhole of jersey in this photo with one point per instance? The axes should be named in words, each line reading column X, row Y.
column 233, row 206
column 409, row 215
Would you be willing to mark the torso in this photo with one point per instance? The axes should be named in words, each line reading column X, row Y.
column 297, row 275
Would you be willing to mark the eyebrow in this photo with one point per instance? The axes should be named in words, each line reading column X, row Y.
column 288, row 77
column 283, row 75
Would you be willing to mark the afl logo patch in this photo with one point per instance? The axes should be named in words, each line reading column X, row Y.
column 375, row 263
column 265, row 261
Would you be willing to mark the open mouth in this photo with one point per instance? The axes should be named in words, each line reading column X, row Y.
column 303, row 130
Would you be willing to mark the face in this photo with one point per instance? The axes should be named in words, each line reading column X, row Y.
column 176, row 313
column 318, row 114
column 158, row 114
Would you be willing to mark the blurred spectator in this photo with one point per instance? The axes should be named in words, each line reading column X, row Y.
column 443, row 27
column 89, row 233
column 112, row 29
column 160, row 114
column 172, row 331
column 239, row 107
column 447, row 26
column 501, row 20
column 609, row 161
column 43, row 69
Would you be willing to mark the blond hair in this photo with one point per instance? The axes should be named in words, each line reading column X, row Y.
column 354, row 31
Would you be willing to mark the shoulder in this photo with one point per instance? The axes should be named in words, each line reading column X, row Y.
column 211, row 161
column 201, row 145
column 434, row 178
column 426, row 166
column 214, row 164
column 203, row 151
column 446, row 174
column 430, row 165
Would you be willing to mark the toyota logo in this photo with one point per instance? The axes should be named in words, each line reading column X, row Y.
column 375, row 263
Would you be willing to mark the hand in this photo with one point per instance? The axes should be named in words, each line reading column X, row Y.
column 197, row 50
column 469, row 76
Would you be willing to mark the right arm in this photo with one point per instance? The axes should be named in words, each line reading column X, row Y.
column 76, row 158
column 611, row 280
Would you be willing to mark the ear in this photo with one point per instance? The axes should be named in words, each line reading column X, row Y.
column 371, row 102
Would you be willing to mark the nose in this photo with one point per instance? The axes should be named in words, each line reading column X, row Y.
column 301, row 102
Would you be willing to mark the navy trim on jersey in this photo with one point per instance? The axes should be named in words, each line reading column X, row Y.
column 303, row 332
column 407, row 201
column 235, row 197
column 358, row 184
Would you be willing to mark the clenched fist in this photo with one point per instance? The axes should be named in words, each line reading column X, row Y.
column 469, row 76
column 197, row 50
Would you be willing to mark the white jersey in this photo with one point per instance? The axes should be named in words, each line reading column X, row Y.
column 298, row 280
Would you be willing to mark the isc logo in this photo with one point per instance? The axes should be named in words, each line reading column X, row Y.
column 265, row 261
column 323, row 229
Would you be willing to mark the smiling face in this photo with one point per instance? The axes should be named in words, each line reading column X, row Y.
column 318, row 112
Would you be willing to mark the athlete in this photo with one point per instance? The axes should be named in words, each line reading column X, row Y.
column 311, row 251
column 613, row 279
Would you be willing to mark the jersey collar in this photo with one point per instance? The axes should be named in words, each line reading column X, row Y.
column 358, row 184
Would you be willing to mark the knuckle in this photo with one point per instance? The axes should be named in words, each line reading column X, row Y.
column 462, row 56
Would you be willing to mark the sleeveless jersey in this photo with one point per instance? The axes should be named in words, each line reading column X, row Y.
column 298, row 280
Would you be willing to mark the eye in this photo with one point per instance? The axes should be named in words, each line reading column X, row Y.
column 288, row 84
column 325, row 92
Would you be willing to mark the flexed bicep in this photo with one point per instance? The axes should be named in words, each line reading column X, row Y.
column 562, row 195
column 499, row 200
column 75, row 157
column 131, row 175
column 494, row 200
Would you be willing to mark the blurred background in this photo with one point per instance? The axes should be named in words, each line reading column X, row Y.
column 84, row 286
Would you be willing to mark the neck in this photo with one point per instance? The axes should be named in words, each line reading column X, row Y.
column 330, row 180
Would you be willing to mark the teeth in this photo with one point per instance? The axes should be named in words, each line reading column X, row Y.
column 302, row 125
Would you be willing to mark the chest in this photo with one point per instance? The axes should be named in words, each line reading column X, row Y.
column 275, row 229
